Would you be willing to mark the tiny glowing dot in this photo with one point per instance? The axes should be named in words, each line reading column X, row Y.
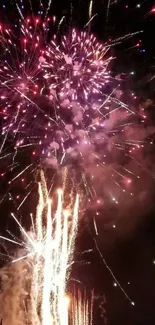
column 59, row 191
column 129, row 181
column 153, row 10
column 66, row 213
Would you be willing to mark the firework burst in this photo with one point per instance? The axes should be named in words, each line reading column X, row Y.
column 75, row 67
column 61, row 106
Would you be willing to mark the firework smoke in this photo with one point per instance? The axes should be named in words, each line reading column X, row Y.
column 15, row 294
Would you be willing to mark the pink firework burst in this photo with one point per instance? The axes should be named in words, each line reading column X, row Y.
column 61, row 106
column 76, row 68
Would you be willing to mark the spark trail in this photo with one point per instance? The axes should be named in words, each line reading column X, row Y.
column 82, row 307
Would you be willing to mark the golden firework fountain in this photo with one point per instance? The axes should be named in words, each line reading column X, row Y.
column 48, row 253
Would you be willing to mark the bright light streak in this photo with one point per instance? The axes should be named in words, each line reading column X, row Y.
column 82, row 307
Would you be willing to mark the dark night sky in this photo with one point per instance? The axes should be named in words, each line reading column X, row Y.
column 130, row 257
